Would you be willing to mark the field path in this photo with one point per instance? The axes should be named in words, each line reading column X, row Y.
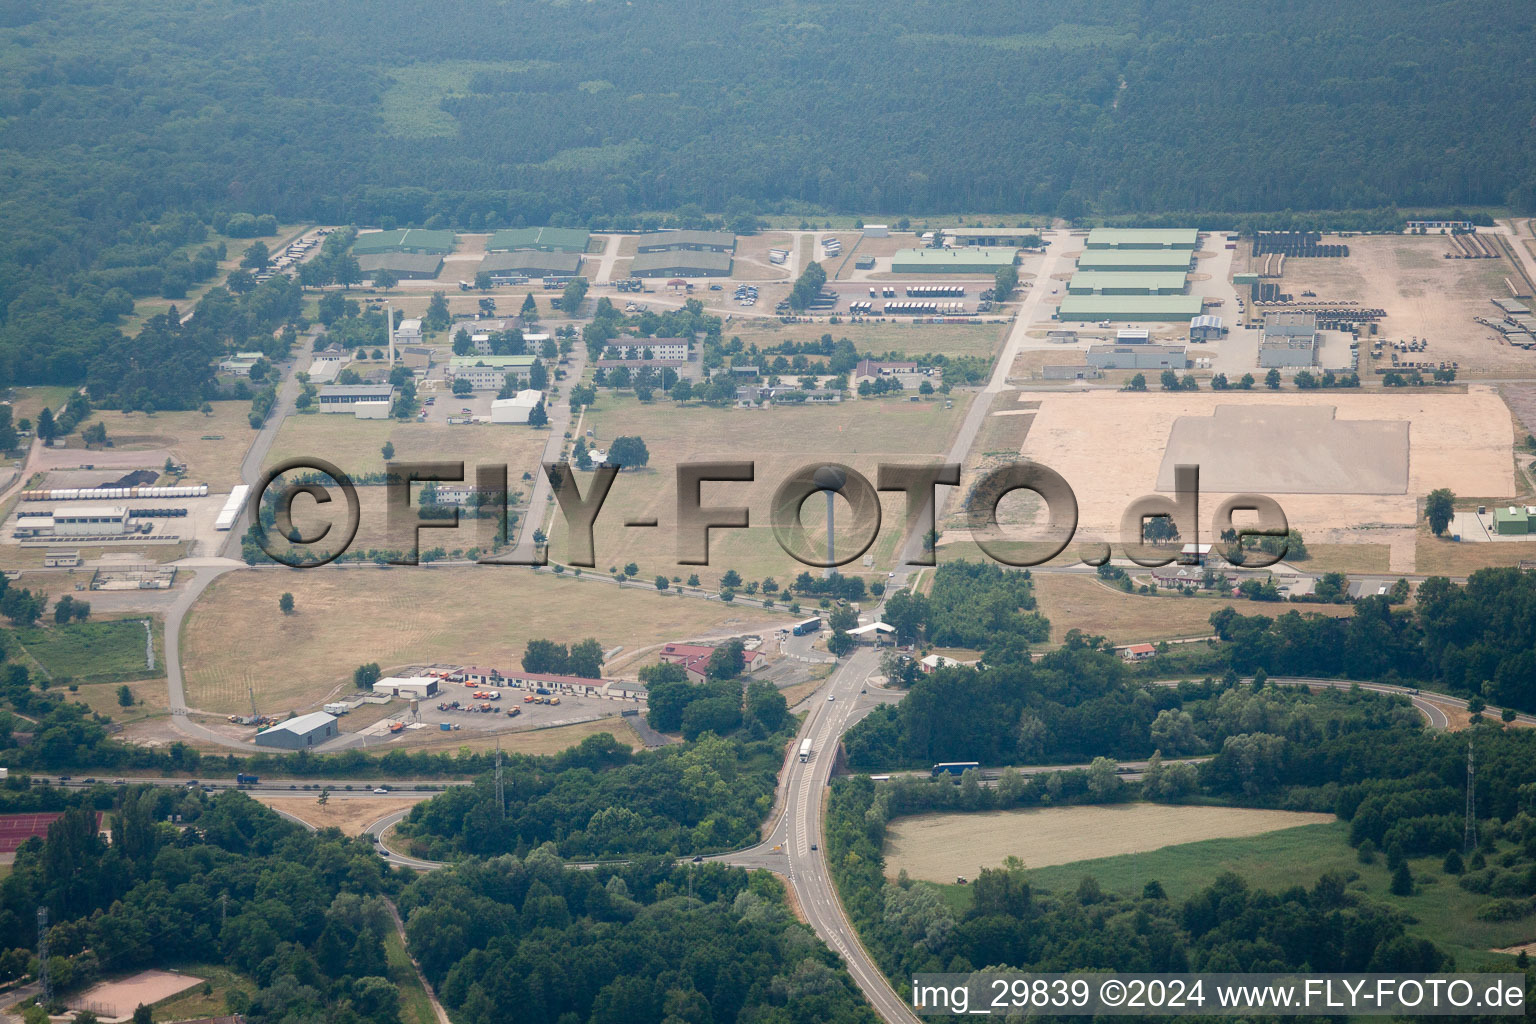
column 437, row 1007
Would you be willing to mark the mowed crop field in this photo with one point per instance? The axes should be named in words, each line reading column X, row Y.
column 236, row 637
column 779, row 441
column 356, row 446
column 1082, row 602
column 937, row 847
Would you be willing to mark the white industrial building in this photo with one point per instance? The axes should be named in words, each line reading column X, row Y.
column 1206, row 328
column 84, row 521
column 409, row 330
column 628, row 347
column 516, row 409
column 406, row 686
column 299, row 733
column 343, row 397
column 877, row 231
column 1290, row 341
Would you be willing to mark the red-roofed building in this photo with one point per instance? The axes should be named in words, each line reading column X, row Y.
column 1138, row 652
column 694, row 659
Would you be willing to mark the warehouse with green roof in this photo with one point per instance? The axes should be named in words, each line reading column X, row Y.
column 1129, row 308
column 1103, row 282
column 682, row 263
column 966, row 260
column 540, row 239
column 1142, row 238
column 417, row 240
column 1135, row 261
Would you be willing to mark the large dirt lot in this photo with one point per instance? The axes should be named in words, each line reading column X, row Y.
column 1424, row 294
column 1110, row 447
column 937, row 847
column 115, row 1000
column 351, row 814
column 483, row 615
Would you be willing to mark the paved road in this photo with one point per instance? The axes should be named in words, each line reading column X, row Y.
column 606, row 261
column 911, row 550
column 539, row 504
column 793, row 845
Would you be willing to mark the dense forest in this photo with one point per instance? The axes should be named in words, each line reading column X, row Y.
column 298, row 914
column 1478, row 640
column 1082, row 702
column 598, row 800
column 130, row 131
column 506, row 939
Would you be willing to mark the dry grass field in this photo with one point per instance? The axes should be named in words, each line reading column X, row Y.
column 779, row 441
column 26, row 403
column 355, row 445
column 937, row 847
column 150, row 700
column 471, row 615
column 1346, row 558
column 529, row 741
column 1082, row 602
column 1441, row 556
column 350, row 814
column 212, row 446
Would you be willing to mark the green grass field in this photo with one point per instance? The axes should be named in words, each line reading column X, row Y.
column 194, row 1002
column 1439, row 909
column 91, row 652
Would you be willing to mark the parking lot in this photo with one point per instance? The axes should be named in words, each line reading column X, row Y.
column 576, row 704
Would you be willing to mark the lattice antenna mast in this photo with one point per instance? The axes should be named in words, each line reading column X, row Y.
column 501, row 801
column 42, row 956
column 1471, row 829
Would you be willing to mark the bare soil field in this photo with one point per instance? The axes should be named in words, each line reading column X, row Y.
column 779, row 441
column 472, row 615
column 937, row 847
column 1082, row 602
column 1424, row 294
column 115, row 1000
column 351, row 814
column 1109, row 447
